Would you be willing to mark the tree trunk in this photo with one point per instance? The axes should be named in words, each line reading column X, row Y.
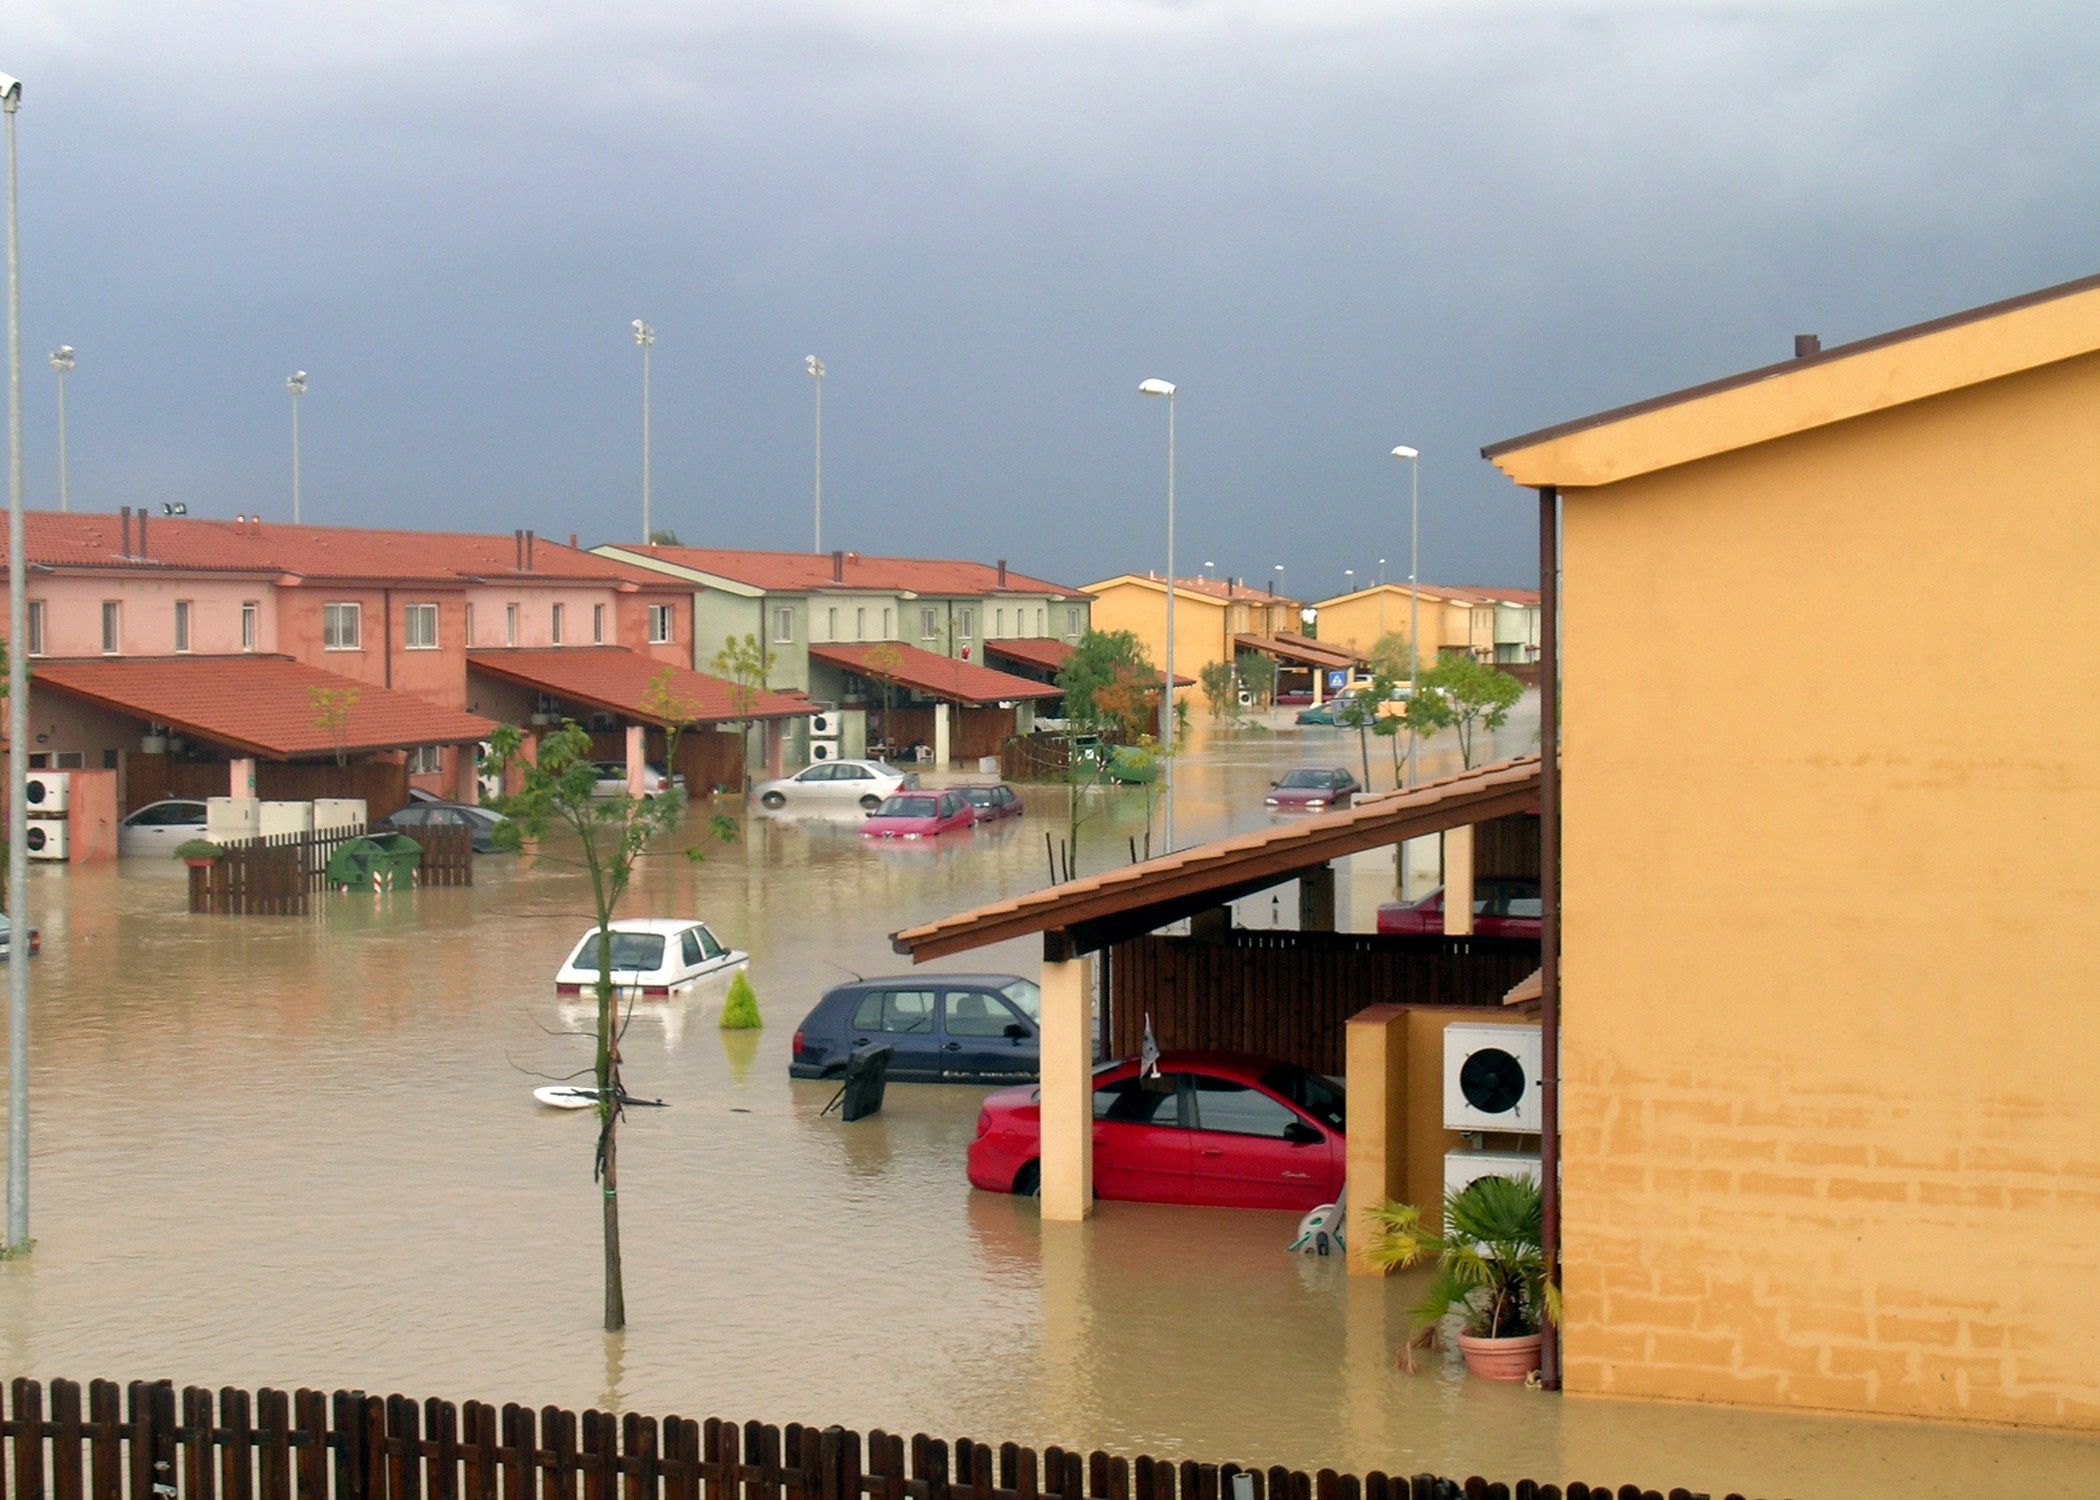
column 615, row 1281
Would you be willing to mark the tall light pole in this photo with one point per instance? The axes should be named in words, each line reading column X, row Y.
column 646, row 337
column 296, row 384
column 816, row 375
column 1414, row 593
column 17, row 729
column 1348, row 580
column 62, row 361
column 1166, row 696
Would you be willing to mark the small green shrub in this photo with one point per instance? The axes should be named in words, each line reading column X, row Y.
column 198, row 849
column 740, row 1008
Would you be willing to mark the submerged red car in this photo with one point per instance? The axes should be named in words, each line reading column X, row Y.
column 1502, row 907
column 1312, row 788
column 994, row 802
column 1219, row 1129
column 919, row 815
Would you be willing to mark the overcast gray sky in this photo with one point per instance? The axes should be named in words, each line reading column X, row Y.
column 1337, row 226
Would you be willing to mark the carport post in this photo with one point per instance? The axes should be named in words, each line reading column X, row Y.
column 941, row 711
column 466, row 775
column 1067, row 1070
column 1458, row 881
column 240, row 779
column 637, row 759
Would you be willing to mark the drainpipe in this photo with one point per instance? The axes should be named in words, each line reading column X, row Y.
column 1549, row 910
column 386, row 636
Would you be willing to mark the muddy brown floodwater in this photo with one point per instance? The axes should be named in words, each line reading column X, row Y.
column 303, row 1152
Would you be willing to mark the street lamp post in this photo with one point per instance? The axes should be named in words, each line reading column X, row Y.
column 1414, row 595
column 1166, row 697
column 646, row 337
column 816, row 375
column 62, row 361
column 296, row 384
column 17, row 1242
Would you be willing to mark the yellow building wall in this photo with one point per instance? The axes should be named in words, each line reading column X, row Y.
column 1832, row 984
column 1199, row 625
column 1356, row 621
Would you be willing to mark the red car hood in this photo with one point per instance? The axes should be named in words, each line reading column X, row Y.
column 890, row 828
column 1298, row 795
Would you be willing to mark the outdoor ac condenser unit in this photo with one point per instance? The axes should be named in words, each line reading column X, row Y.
column 284, row 817
column 1463, row 1167
column 824, row 724
column 48, row 838
column 823, row 750
column 231, row 819
column 48, row 792
column 1491, row 1077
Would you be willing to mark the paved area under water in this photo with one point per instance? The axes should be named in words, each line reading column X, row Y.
column 303, row 1152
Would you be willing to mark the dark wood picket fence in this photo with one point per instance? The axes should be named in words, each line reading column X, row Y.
column 147, row 1441
column 278, row 875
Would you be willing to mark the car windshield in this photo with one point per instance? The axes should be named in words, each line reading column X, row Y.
column 1307, row 778
column 980, row 796
column 1027, row 997
column 1310, row 1092
column 906, row 807
column 632, row 952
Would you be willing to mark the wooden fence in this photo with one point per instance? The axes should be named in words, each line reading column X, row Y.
column 147, row 1441
column 1290, row 995
column 276, row 876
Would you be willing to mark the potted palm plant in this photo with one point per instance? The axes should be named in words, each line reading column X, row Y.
column 1490, row 1269
column 198, row 854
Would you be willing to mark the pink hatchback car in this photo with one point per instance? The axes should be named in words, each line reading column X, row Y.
column 919, row 815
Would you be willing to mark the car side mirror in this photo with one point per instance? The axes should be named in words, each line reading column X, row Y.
column 1016, row 1032
column 1276, row 783
column 1298, row 1133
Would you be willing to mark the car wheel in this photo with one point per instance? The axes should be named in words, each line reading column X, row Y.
column 1028, row 1182
column 774, row 799
column 871, row 803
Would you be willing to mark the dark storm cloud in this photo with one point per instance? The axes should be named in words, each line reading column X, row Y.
column 1337, row 228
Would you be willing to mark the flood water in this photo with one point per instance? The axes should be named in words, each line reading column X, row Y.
column 303, row 1151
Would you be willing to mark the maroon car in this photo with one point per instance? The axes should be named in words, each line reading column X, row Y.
column 1502, row 907
column 992, row 803
column 1313, row 789
column 919, row 815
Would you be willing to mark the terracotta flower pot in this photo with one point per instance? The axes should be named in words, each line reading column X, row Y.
column 1500, row 1359
column 196, row 863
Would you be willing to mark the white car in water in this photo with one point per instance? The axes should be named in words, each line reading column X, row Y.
column 650, row 956
column 836, row 783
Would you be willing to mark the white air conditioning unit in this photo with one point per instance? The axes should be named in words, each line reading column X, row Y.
column 1491, row 1077
column 284, row 817
column 824, row 724
column 231, row 819
column 823, row 750
column 339, row 812
column 1246, row 699
column 47, row 837
column 49, row 792
column 1463, row 1167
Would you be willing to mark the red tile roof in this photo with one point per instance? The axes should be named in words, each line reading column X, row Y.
column 258, row 705
column 77, row 540
column 1215, row 588
column 620, row 681
column 936, row 676
column 811, row 572
column 1299, row 648
column 1049, row 655
column 1504, row 596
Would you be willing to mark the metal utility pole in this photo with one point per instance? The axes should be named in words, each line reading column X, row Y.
column 1166, row 695
column 62, row 361
column 646, row 337
column 1414, row 594
column 816, row 374
column 17, row 731
column 296, row 384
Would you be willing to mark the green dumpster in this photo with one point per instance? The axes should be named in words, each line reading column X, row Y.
column 382, row 861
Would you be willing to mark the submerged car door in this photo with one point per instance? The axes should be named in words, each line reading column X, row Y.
column 984, row 1037
column 902, row 1018
column 1253, row 1151
column 1141, row 1151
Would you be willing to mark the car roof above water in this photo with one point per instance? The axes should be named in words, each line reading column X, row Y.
column 923, row 981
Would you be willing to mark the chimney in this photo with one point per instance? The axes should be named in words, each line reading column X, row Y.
column 838, row 567
column 517, row 549
column 529, row 539
column 1272, row 589
column 572, row 542
column 1002, row 572
column 127, row 533
column 1806, row 344
column 142, row 531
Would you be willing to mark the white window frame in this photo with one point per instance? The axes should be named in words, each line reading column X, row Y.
column 334, row 616
column 510, row 624
column 831, row 623
column 929, row 624
column 35, row 627
column 597, row 624
column 112, row 627
column 411, row 613
column 251, row 624
column 885, row 624
column 966, row 624
column 1072, row 620
column 425, row 760
column 555, row 622
column 662, row 624
column 183, row 615
column 783, row 625
column 999, row 634
column 860, row 623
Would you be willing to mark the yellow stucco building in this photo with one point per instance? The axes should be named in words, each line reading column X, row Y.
column 1450, row 620
column 1208, row 613
column 1830, row 983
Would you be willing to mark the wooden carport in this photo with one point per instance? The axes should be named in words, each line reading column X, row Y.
column 1083, row 917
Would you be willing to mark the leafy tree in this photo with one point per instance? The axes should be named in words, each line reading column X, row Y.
column 1491, row 1264
column 1360, row 712
column 331, row 708
column 664, row 538
column 1389, row 655
column 1466, row 695
column 740, row 1005
column 1220, row 688
column 1258, row 677
column 1129, row 699
column 558, row 790
column 745, row 663
column 1093, row 665
column 1390, row 728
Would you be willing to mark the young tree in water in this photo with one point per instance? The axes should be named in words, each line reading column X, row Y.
column 1102, row 659
column 558, row 792
column 1466, row 695
column 1361, row 712
column 746, row 664
column 1258, row 677
column 1219, row 687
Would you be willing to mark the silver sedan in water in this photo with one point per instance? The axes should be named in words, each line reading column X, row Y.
column 836, row 783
